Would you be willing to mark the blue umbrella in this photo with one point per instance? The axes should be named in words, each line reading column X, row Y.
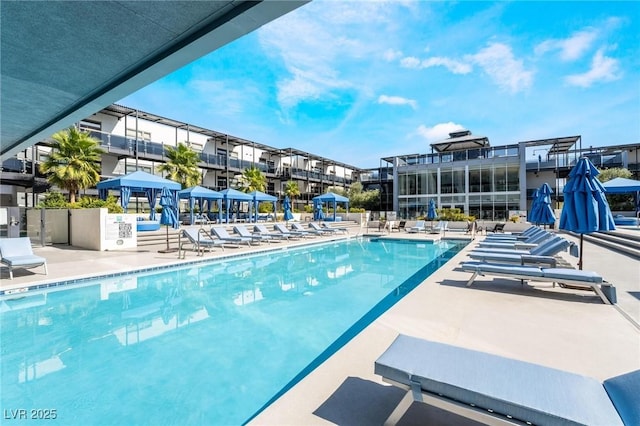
column 545, row 214
column 431, row 211
column 169, row 216
column 585, row 207
column 319, row 212
column 287, row 209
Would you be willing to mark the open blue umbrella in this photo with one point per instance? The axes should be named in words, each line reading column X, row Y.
column 169, row 216
column 585, row 209
column 286, row 205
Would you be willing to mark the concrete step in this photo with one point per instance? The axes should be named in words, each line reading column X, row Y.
column 617, row 241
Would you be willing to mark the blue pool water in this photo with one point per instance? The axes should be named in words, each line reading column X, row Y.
column 207, row 344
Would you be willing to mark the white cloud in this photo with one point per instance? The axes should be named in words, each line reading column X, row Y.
column 410, row 62
column 603, row 68
column 391, row 55
column 438, row 132
column 571, row 48
column 503, row 68
column 452, row 65
column 397, row 100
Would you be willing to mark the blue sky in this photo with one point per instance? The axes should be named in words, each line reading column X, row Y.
column 355, row 81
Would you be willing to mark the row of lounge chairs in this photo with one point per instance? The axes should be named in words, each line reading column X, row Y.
column 532, row 256
column 201, row 240
column 491, row 389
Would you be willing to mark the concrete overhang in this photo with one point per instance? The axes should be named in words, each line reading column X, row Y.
column 62, row 61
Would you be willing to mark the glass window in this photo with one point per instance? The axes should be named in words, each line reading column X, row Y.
column 432, row 182
column 486, row 180
column 422, row 183
column 500, row 178
column 458, row 182
column 513, row 178
column 474, row 180
column 446, row 182
column 402, row 184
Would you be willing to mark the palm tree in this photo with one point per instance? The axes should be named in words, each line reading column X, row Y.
column 74, row 163
column 252, row 179
column 292, row 190
column 182, row 166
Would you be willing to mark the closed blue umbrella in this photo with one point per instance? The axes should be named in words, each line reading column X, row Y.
column 319, row 213
column 169, row 216
column 535, row 207
column 431, row 211
column 286, row 205
column 546, row 215
column 585, row 209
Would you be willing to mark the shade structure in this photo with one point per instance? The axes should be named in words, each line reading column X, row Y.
column 140, row 182
column 286, row 206
column 624, row 186
column 541, row 212
column 332, row 199
column 585, row 209
column 259, row 197
column 169, row 215
column 200, row 194
column 232, row 196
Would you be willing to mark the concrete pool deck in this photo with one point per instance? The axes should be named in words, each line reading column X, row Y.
column 562, row 328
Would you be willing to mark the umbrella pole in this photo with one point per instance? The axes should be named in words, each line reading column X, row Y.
column 580, row 261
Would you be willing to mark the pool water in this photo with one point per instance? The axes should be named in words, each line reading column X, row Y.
column 207, row 344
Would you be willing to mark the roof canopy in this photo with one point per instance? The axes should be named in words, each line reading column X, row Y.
column 261, row 196
column 139, row 181
column 234, row 194
column 621, row 186
column 330, row 196
column 200, row 192
column 461, row 140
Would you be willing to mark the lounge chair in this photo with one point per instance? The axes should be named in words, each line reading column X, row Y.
column 492, row 389
column 296, row 227
column 284, row 231
column 567, row 276
column 399, row 226
column 498, row 227
column 244, row 232
column 320, row 230
column 262, row 230
column 334, row 228
column 541, row 254
column 199, row 239
column 222, row 233
column 442, row 226
column 418, row 227
column 525, row 235
column 529, row 243
column 17, row 253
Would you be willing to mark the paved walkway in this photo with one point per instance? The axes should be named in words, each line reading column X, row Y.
column 562, row 328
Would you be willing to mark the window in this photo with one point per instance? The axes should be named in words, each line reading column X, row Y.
column 142, row 135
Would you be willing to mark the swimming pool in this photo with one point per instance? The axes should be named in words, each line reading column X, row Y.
column 206, row 344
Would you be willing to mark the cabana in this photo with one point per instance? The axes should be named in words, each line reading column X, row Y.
column 331, row 198
column 624, row 186
column 233, row 196
column 200, row 194
column 259, row 197
column 138, row 182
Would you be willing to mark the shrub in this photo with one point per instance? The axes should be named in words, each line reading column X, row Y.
column 53, row 200
column 111, row 204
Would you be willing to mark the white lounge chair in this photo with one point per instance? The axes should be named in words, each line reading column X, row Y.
column 442, row 226
column 258, row 237
column 262, row 230
column 573, row 277
column 320, row 230
column 199, row 239
column 334, row 228
column 17, row 253
column 418, row 227
column 222, row 233
column 284, row 231
column 541, row 254
column 296, row 227
column 529, row 243
column 491, row 389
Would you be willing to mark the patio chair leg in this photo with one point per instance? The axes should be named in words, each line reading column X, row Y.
column 472, row 279
column 46, row 271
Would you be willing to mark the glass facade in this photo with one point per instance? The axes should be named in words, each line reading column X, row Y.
column 484, row 189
